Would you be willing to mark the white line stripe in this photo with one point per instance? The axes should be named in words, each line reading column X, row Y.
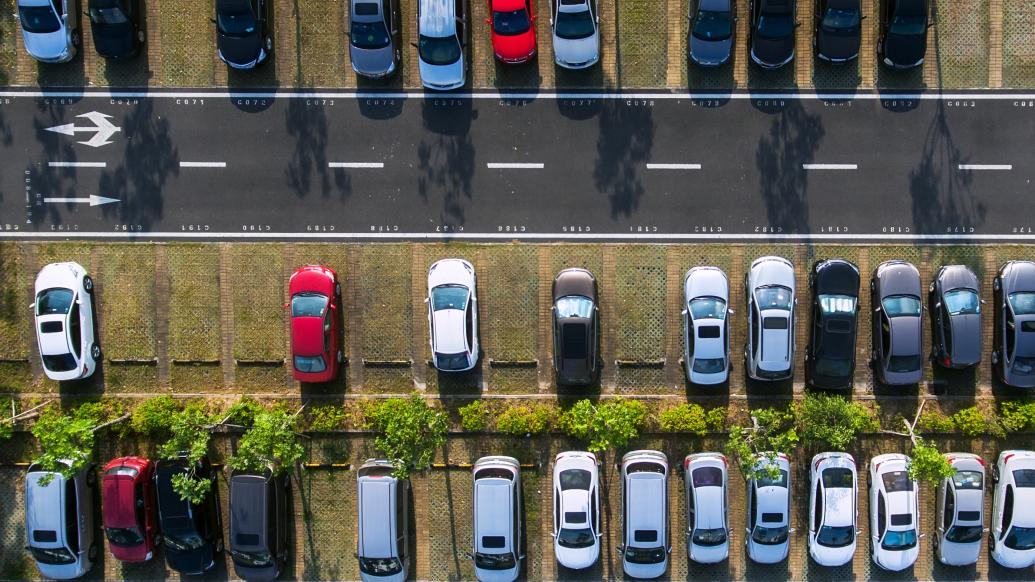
column 78, row 164
column 830, row 166
column 513, row 166
column 355, row 165
column 202, row 164
column 673, row 166
column 986, row 166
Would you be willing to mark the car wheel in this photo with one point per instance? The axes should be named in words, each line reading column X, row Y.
column 88, row 284
column 269, row 44
column 219, row 546
column 873, row 356
column 95, row 351
column 91, row 477
column 337, row 289
column 75, row 38
column 92, row 552
column 996, row 285
column 341, row 357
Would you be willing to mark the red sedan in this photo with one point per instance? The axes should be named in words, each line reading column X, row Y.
column 512, row 23
column 316, row 351
column 128, row 508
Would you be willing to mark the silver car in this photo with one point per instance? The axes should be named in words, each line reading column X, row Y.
column 576, row 33
column 497, row 519
column 442, row 29
column 59, row 521
column 706, row 325
column 373, row 30
column 50, row 29
column 769, row 291
column 1013, row 340
column 646, row 542
column 961, row 511
column 706, row 483
column 382, row 540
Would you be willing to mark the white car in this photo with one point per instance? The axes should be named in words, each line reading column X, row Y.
column 576, row 509
column 645, row 535
column 894, row 513
column 65, row 328
column 50, row 29
column 453, row 315
column 705, row 478
column 497, row 519
column 769, row 291
column 769, row 512
column 443, row 35
column 1012, row 538
column 576, row 33
column 706, row 325
column 833, row 509
column 961, row 511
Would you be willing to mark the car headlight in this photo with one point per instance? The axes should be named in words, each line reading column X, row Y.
column 888, row 62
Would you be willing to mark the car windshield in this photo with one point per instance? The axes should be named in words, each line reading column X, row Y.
column 907, row 25
column 574, row 479
column 709, row 537
column 575, row 538
column 448, row 297
column 711, row 25
column 308, row 305
column 310, row 364
column 968, row 480
column 59, row 362
column 899, row 540
column 901, row 306
column 831, row 304
column 644, row 555
column 511, row 23
column 964, row 534
column 1020, row 538
column 709, row 365
column 574, row 306
column 962, row 302
column 369, row 35
column 775, row 26
column 837, row 20
column 708, row 308
column 833, row 367
column 183, row 541
column 770, row 536
column 235, row 23
column 38, row 19
column 1022, row 303
column 574, row 25
column 903, row 364
column 52, row 556
column 494, row 561
column 108, row 15
column 896, row 481
column 252, row 559
column 835, row 537
column 380, row 566
column 773, row 297
column 124, row 536
column 54, row 301
column 779, row 481
column 439, row 50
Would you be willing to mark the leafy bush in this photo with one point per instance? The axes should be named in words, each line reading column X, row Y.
column 154, row 416
column 772, row 432
column 716, row 419
column 65, row 437
column 526, row 420
column 1017, row 416
column 410, row 431
column 6, row 426
column 934, row 421
column 927, row 464
column 970, row 421
column 327, row 418
column 608, row 426
column 243, row 412
column 271, row 441
column 686, row 418
column 832, row 422
column 189, row 435
column 474, row 416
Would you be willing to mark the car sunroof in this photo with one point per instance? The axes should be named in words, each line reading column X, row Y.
column 645, row 535
column 708, row 331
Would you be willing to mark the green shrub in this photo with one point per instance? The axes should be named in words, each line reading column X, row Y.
column 686, row 418
column 1017, row 416
column 970, row 421
column 526, row 420
column 716, row 419
column 771, row 432
column 327, row 418
column 474, row 417
column 832, row 422
column 154, row 416
column 409, row 431
column 605, row 427
column 243, row 412
column 934, row 421
column 271, row 441
column 927, row 464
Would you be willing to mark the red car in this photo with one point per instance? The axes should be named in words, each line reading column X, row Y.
column 128, row 509
column 512, row 23
column 316, row 352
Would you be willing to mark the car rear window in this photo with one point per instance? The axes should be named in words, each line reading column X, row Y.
column 895, row 481
column 900, row 519
column 59, row 362
column 707, row 477
column 494, row 542
column 839, row 325
column 708, row 331
column 575, row 479
column 366, row 8
column 574, row 335
column 645, row 468
column 1024, row 477
column 837, row 477
column 56, row 327
column 575, row 516
column 772, row 517
column 969, row 515
column 645, row 535
column 44, row 536
column 244, row 539
column 774, row 323
column 494, row 472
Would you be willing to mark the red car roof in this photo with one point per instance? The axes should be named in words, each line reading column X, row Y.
column 119, row 506
column 507, row 5
column 306, row 336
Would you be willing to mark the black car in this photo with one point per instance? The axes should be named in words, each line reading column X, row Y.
column 575, row 326
column 903, row 33
column 830, row 355
column 259, row 524
column 710, row 34
column 192, row 533
column 116, row 28
column 897, row 323
column 772, row 32
column 242, row 32
column 838, row 30
column 955, row 306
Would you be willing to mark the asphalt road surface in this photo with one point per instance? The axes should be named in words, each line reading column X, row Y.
column 664, row 167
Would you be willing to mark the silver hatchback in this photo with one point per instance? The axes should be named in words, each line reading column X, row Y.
column 59, row 521
column 373, row 37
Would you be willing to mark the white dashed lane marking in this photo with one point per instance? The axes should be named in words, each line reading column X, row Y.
column 202, row 164
column 673, row 166
column 830, row 166
column 374, row 165
column 986, row 166
column 78, row 164
column 514, row 166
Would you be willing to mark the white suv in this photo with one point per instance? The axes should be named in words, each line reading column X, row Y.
column 961, row 511
column 645, row 536
column 833, row 513
column 705, row 478
column 497, row 519
column 769, row 511
column 1012, row 539
column 576, row 509
column 453, row 315
column 894, row 512
column 65, row 328
column 769, row 291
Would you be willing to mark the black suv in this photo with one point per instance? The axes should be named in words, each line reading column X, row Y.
column 575, row 327
column 242, row 32
column 116, row 27
column 258, row 523
column 830, row 355
column 192, row 534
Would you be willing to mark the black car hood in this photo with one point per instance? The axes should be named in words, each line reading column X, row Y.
column 1019, row 277
column 905, row 51
column 114, row 40
column 191, row 561
column 957, row 277
column 837, row 46
column 240, row 50
column 837, row 278
column 773, row 51
column 899, row 279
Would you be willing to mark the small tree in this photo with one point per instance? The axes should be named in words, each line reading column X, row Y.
column 67, row 440
column 927, row 464
column 271, row 441
column 154, row 416
column 608, row 426
column 688, row 418
column 832, row 422
column 190, row 437
column 474, row 416
column 409, row 432
column 771, row 432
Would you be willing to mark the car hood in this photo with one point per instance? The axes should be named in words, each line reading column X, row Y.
column 825, row 556
column 444, row 77
column 257, row 574
column 113, row 40
column 837, row 278
column 709, row 554
column 375, row 62
column 766, row 554
column 897, row 561
column 772, row 271
column 48, row 45
column 191, row 561
column 954, row 554
column 574, row 283
column 498, row 575
column 577, row 558
column 710, row 52
column 899, row 279
column 1013, row 558
column 307, row 336
column 311, row 280
column 449, row 272
column 516, row 46
column 240, row 50
column 904, row 51
column 578, row 50
column 966, row 326
column 1019, row 277
column 956, row 277
column 706, row 282
column 773, row 51
column 837, row 46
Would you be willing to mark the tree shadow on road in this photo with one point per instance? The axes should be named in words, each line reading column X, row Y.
column 625, row 143
column 308, row 170
column 794, row 138
column 446, row 156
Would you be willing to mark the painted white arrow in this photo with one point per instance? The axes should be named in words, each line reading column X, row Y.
column 93, row 200
column 103, row 129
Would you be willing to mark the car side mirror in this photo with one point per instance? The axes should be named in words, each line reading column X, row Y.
column 599, row 535
column 792, row 530
column 488, row 21
column 930, row 25
column 747, row 530
column 425, row 299
column 923, row 535
column 553, row 535
column 620, row 549
column 417, row 47
column 731, row 312
column 938, row 305
column 797, row 24
column 876, row 309
column 684, row 312
column 858, row 532
column 521, row 557
column 32, row 305
column 286, row 305
column 985, row 530
column 983, row 302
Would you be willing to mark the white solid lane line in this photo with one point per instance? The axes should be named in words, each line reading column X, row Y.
column 673, row 166
column 830, row 166
column 202, row 164
column 78, row 164
column 986, row 166
column 355, row 165
column 514, row 166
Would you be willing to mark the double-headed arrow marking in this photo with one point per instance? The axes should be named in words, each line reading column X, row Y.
column 104, row 129
column 92, row 200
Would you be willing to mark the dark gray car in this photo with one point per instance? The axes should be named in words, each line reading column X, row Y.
column 955, row 317
column 575, row 326
column 373, row 37
column 710, row 35
column 897, row 323
column 259, row 523
column 1013, row 343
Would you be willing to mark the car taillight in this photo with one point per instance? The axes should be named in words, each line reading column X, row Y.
column 877, row 466
column 686, row 463
column 816, row 464
column 980, row 460
column 947, row 362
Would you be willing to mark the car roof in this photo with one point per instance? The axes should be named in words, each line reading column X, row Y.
column 119, row 501
column 450, row 331
column 773, row 499
column 709, row 347
column 437, row 17
column 709, row 504
column 646, row 499
column 969, row 500
column 248, row 511
column 375, row 523
column 573, row 5
column 776, row 343
column 905, row 336
column 56, row 342
column 493, row 507
column 575, row 500
column 45, row 507
column 902, row 502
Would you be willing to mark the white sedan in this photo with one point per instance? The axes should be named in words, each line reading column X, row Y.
column 576, row 509
column 576, row 33
column 453, row 315
column 894, row 512
column 64, row 321
column 1012, row 538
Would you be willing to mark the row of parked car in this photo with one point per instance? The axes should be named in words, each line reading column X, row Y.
column 140, row 510
column 50, row 30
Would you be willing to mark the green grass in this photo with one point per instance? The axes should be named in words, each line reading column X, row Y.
column 961, row 40
column 258, row 289
column 196, row 378
column 642, row 43
column 187, row 41
column 383, row 296
column 194, row 318
column 323, row 43
column 15, row 377
column 640, row 276
column 1018, row 45
column 510, row 301
column 126, row 301
column 15, row 312
column 130, row 377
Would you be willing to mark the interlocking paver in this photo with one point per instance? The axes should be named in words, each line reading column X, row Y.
column 961, row 36
column 187, row 43
column 642, row 44
column 1018, row 50
column 640, row 279
column 510, row 308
